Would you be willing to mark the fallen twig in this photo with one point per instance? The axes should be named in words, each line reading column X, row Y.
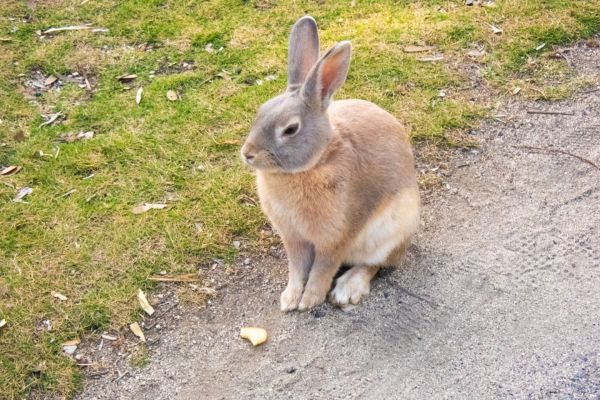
column 74, row 28
column 558, row 151
column 179, row 278
column 51, row 119
column 121, row 376
column 550, row 112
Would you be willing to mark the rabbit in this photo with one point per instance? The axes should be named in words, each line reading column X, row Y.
column 335, row 178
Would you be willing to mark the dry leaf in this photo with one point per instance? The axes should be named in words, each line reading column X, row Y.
column 70, row 137
column 142, row 208
column 144, row 302
column 171, row 95
column 416, row 49
column 21, row 194
column 50, row 80
column 438, row 57
column 495, row 29
column 230, row 142
column 50, row 119
column 138, row 95
column 137, row 331
column 13, row 169
column 73, row 342
column 59, row 296
column 127, row 77
column 256, row 336
column 85, row 135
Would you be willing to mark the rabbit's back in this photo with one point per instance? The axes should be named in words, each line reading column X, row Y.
column 384, row 186
column 382, row 151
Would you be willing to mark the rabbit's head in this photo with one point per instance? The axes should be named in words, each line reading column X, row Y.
column 292, row 130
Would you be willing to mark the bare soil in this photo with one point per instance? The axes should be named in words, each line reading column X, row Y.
column 498, row 299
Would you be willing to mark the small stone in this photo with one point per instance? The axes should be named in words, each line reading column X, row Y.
column 247, row 261
column 290, row 370
column 237, row 244
column 70, row 349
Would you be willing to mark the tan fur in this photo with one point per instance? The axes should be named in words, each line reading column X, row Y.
column 336, row 179
column 367, row 168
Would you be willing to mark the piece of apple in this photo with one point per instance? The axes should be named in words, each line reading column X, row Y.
column 255, row 335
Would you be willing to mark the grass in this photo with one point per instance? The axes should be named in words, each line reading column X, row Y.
column 91, row 247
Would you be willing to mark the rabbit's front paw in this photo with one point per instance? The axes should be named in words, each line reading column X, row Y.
column 290, row 298
column 311, row 298
column 349, row 288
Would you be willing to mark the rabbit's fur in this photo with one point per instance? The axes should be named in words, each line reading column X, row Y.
column 336, row 179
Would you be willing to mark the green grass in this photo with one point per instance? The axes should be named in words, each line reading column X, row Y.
column 91, row 247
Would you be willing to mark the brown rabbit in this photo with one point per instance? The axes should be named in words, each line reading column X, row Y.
column 336, row 178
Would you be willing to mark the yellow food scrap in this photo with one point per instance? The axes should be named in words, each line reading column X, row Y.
column 256, row 336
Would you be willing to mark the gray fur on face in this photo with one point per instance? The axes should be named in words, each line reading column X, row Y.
column 311, row 83
column 293, row 153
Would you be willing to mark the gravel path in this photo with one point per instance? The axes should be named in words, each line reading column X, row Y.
column 499, row 299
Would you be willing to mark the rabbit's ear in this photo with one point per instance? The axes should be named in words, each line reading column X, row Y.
column 328, row 74
column 303, row 51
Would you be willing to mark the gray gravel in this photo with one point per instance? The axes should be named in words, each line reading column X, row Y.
column 499, row 299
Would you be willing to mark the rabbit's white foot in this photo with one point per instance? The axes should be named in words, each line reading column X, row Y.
column 350, row 287
column 290, row 297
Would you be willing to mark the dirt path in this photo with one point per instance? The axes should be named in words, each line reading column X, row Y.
column 500, row 297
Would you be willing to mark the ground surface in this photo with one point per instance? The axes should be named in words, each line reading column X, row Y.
column 152, row 104
column 499, row 296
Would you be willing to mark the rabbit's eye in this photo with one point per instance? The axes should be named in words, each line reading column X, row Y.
column 291, row 129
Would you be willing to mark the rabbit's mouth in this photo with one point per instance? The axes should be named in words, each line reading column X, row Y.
column 260, row 160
